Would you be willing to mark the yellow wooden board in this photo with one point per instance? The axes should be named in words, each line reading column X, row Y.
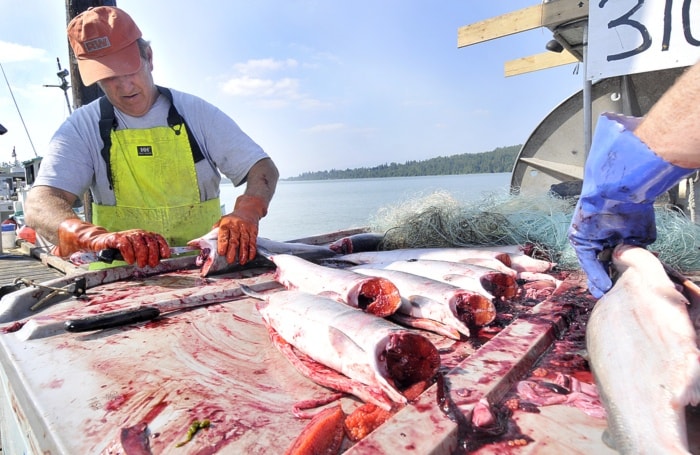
column 549, row 15
column 538, row 62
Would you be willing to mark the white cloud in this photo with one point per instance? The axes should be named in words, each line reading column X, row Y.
column 11, row 52
column 254, row 81
column 325, row 128
column 263, row 66
column 256, row 87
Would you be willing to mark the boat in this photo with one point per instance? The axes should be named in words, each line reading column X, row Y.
column 70, row 392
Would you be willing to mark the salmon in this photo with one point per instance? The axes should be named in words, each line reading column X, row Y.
column 512, row 256
column 376, row 357
column 366, row 241
column 211, row 262
column 520, row 258
column 436, row 306
column 644, row 356
column 375, row 295
column 483, row 280
column 439, row 254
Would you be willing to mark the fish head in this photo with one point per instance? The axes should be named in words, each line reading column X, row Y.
column 209, row 259
column 342, row 246
column 628, row 256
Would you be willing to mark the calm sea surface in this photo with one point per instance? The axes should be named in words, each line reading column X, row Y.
column 302, row 209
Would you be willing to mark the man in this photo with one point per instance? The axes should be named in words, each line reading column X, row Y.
column 632, row 162
column 150, row 156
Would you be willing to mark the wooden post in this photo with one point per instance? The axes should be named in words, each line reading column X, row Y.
column 82, row 94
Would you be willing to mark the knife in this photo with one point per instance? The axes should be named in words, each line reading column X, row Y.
column 169, row 302
column 109, row 255
column 143, row 313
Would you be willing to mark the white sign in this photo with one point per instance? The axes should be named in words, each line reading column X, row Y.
column 634, row 36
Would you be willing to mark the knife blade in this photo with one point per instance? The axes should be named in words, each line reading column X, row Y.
column 109, row 255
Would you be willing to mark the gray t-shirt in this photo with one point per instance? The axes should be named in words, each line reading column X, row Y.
column 73, row 162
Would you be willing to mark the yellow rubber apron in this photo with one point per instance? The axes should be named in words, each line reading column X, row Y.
column 155, row 186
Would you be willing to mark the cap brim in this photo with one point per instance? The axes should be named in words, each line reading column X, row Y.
column 120, row 63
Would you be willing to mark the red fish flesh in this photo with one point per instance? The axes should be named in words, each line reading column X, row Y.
column 374, row 295
column 378, row 358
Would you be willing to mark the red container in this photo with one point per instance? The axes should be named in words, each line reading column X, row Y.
column 28, row 234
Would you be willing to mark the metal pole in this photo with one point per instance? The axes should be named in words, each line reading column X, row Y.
column 587, row 103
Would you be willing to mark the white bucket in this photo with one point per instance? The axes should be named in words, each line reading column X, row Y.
column 9, row 236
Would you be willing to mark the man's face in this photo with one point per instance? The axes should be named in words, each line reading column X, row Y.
column 134, row 93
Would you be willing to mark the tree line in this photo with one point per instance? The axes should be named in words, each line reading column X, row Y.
column 500, row 159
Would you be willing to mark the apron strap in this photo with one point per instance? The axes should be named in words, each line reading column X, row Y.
column 108, row 123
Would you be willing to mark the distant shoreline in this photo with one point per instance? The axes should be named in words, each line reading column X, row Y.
column 495, row 161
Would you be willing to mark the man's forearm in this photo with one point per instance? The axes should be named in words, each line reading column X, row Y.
column 262, row 180
column 46, row 208
column 670, row 128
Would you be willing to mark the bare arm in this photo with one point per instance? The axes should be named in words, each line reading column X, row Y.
column 262, row 180
column 670, row 128
column 46, row 208
column 238, row 231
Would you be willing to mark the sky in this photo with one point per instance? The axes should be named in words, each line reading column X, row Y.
column 319, row 84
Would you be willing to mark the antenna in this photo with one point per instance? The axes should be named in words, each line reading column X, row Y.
column 18, row 111
column 62, row 74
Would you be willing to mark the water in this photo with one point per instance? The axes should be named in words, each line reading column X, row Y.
column 305, row 208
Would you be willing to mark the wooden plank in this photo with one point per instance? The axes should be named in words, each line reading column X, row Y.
column 538, row 62
column 14, row 265
column 548, row 15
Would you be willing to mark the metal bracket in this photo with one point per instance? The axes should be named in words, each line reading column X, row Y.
column 75, row 289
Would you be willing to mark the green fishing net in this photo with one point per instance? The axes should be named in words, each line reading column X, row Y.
column 440, row 220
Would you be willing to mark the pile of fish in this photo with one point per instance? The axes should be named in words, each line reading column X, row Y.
column 349, row 323
column 643, row 351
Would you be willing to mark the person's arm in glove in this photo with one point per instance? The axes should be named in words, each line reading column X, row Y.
column 135, row 245
column 628, row 167
column 49, row 212
column 238, row 231
column 622, row 179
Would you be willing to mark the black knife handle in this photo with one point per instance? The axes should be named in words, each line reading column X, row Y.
column 112, row 319
column 109, row 255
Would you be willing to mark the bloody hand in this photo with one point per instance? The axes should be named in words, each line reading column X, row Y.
column 238, row 231
column 135, row 245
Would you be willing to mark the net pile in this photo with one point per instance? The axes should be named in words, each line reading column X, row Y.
column 440, row 220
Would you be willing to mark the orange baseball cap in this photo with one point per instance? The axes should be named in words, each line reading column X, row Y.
column 104, row 41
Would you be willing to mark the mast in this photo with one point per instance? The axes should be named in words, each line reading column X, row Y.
column 81, row 94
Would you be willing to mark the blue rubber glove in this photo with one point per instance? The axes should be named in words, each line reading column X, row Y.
column 622, row 178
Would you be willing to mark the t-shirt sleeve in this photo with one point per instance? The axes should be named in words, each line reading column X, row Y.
column 230, row 149
column 68, row 163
